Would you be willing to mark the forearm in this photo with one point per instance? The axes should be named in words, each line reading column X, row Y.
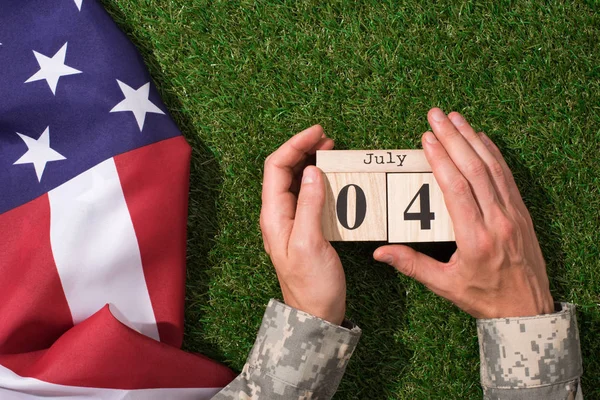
column 531, row 357
column 295, row 356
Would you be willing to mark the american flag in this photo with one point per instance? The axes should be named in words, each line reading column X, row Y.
column 93, row 206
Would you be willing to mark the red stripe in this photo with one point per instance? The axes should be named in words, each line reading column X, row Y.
column 33, row 309
column 155, row 181
column 102, row 352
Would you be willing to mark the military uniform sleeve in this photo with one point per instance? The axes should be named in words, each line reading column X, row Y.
column 532, row 357
column 296, row 356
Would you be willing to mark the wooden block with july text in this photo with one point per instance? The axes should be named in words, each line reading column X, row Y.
column 382, row 195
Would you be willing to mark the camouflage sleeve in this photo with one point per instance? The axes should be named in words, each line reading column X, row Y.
column 532, row 357
column 296, row 356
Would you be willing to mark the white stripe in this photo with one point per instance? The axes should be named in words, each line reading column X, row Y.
column 96, row 250
column 15, row 387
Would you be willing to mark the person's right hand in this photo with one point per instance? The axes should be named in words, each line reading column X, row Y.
column 498, row 269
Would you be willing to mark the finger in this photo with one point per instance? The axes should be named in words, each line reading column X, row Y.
column 266, row 245
column 510, row 180
column 324, row 143
column 297, row 148
column 494, row 168
column 462, row 207
column 278, row 203
column 515, row 198
column 414, row 265
column 265, row 241
column 307, row 224
column 465, row 158
column 514, row 194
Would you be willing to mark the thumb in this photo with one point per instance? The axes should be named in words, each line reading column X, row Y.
column 311, row 200
column 414, row 265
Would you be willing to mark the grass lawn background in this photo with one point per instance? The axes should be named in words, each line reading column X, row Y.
column 240, row 77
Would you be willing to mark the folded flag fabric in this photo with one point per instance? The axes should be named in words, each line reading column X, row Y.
column 93, row 208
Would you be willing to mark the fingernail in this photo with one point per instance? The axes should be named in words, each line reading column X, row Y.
column 309, row 176
column 309, row 131
column 305, row 132
column 430, row 138
column 438, row 115
column 457, row 119
column 385, row 258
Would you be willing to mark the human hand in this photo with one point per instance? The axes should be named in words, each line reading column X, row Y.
column 498, row 269
column 309, row 270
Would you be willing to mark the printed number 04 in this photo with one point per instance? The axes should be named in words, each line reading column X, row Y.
column 424, row 215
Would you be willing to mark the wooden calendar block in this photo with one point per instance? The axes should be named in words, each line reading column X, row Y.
column 355, row 207
column 382, row 195
column 416, row 209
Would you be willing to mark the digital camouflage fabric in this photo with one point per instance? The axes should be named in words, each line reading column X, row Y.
column 296, row 356
column 532, row 357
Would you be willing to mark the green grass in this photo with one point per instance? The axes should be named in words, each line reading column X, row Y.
column 240, row 77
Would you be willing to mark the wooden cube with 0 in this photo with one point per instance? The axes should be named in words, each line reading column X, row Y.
column 382, row 195
column 355, row 207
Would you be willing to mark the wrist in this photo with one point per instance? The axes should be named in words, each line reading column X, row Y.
column 521, row 306
column 333, row 314
column 523, row 294
column 329, row 308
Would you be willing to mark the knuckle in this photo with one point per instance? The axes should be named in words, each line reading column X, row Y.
column 310, row 198
column 262, row 223
column 267, row 248
column 506, row 228
column 438, row 158
column 460, row 186
column 307, row 246
column 266, row 225
column 268, row 160
column 305, row 200
column 475, row 167
column 409, row 269
column 302, row 246
column 485, row 244
column 451, row 133
column 496, row 170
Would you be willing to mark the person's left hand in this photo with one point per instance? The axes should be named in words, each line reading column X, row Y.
column 309, row 270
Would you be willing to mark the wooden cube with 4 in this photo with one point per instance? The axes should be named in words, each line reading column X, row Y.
column 382, row 195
